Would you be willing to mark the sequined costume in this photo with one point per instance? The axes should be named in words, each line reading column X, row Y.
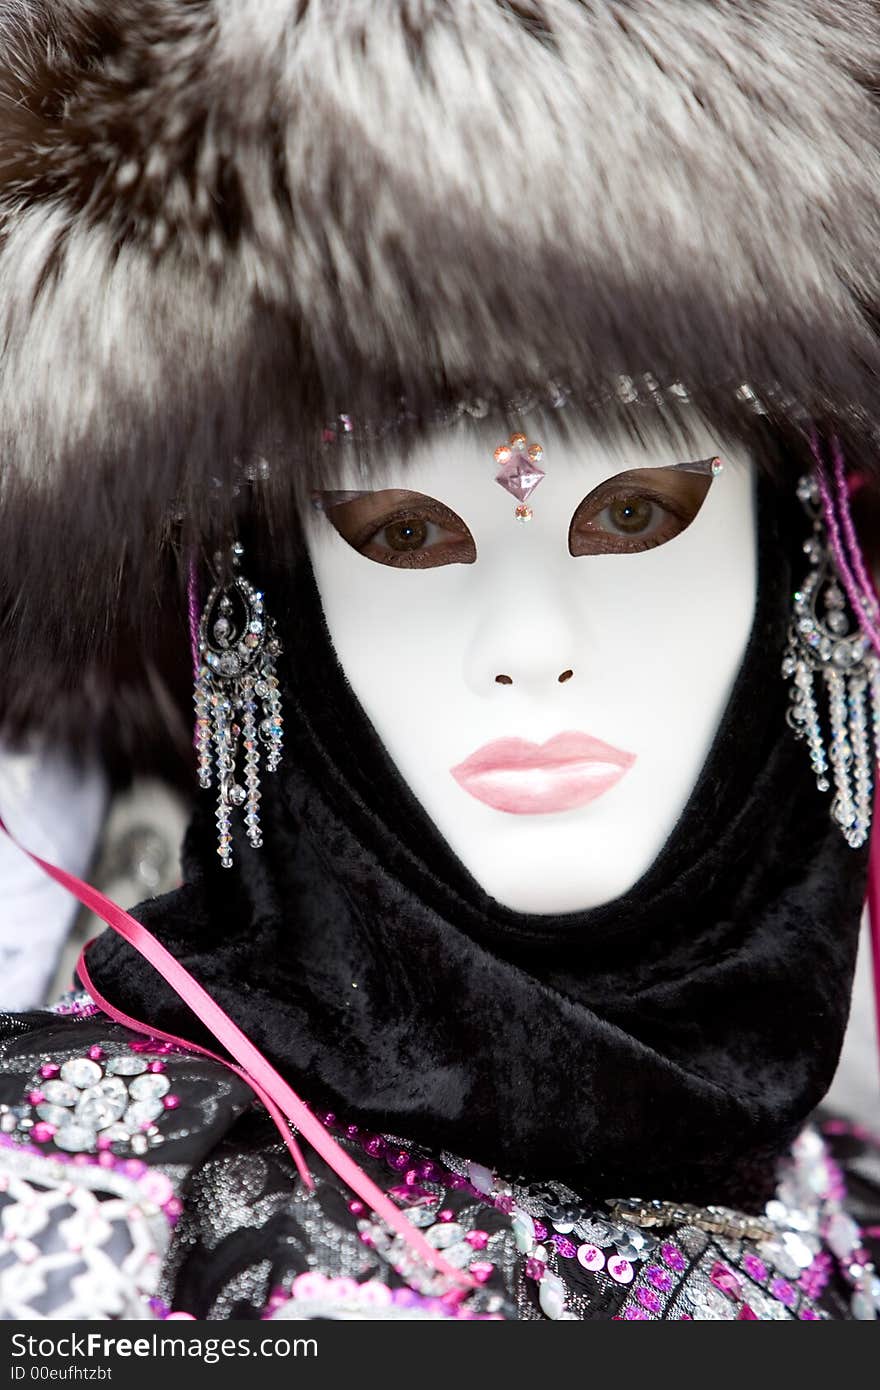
column 137, row 1181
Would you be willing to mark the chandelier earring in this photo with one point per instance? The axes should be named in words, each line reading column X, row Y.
column 831, row 658
column 239, row 725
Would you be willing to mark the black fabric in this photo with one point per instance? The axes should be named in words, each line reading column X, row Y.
column 667, row 1043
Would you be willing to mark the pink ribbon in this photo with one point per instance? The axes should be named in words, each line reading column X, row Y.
column 280, row 1100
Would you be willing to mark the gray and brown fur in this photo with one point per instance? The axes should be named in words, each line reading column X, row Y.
column 223, row 221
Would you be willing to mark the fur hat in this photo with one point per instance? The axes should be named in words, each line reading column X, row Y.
column 223, row 222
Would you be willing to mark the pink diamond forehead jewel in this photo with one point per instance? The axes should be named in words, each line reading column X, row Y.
column 520, row 471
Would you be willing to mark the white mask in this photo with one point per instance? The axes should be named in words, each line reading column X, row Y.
column 647, row 642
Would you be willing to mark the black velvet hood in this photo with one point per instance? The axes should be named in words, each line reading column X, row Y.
column 667, row 1044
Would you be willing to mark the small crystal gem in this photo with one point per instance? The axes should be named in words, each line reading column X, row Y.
column 444, row 1234
column 97, row 1111
column 150, row 1087
column 80, row 1072
column 53, row 1114
column 142, row 1112
column 60, row 1093
column 519, row 476
column 75, row 1138
column 843, row 655
column 116, row 1134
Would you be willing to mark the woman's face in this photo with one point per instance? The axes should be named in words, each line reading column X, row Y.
column 548, row 688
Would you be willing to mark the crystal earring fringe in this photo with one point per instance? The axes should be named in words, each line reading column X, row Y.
column 237, row 703
column 825, row 640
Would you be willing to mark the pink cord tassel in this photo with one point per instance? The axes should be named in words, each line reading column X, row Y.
column 194, row 607
column 874, row 910
column 862, row 594
column 858, row 587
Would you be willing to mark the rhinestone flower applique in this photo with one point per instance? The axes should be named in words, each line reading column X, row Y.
column 94, row 1103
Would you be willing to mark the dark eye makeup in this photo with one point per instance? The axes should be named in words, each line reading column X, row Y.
column 634, row 511
column 639, row 509
column 406, row 530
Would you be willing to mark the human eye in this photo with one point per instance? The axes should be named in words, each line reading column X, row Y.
column 640, row 509
column 405, row 530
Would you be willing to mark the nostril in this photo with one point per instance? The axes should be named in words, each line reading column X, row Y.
column 566, row 676
column 503, row 680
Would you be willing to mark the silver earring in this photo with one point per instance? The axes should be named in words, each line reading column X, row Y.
column 825, row 640
column 238, row 702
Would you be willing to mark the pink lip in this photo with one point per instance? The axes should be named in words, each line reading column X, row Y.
column 533, row 779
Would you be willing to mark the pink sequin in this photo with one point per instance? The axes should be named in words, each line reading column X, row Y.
column 649, row 1300
column 782, row 1290
column 621, row 1271
column 412, row 1196
column 659, row 1278
column 815, row 1279
column 591, row 1257
column 429, row 1171
column 157, row 1187
column 310, row 1285
column 726, row 1281
column 673, row 1257
column 635, row 1315
column 755, row 1268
